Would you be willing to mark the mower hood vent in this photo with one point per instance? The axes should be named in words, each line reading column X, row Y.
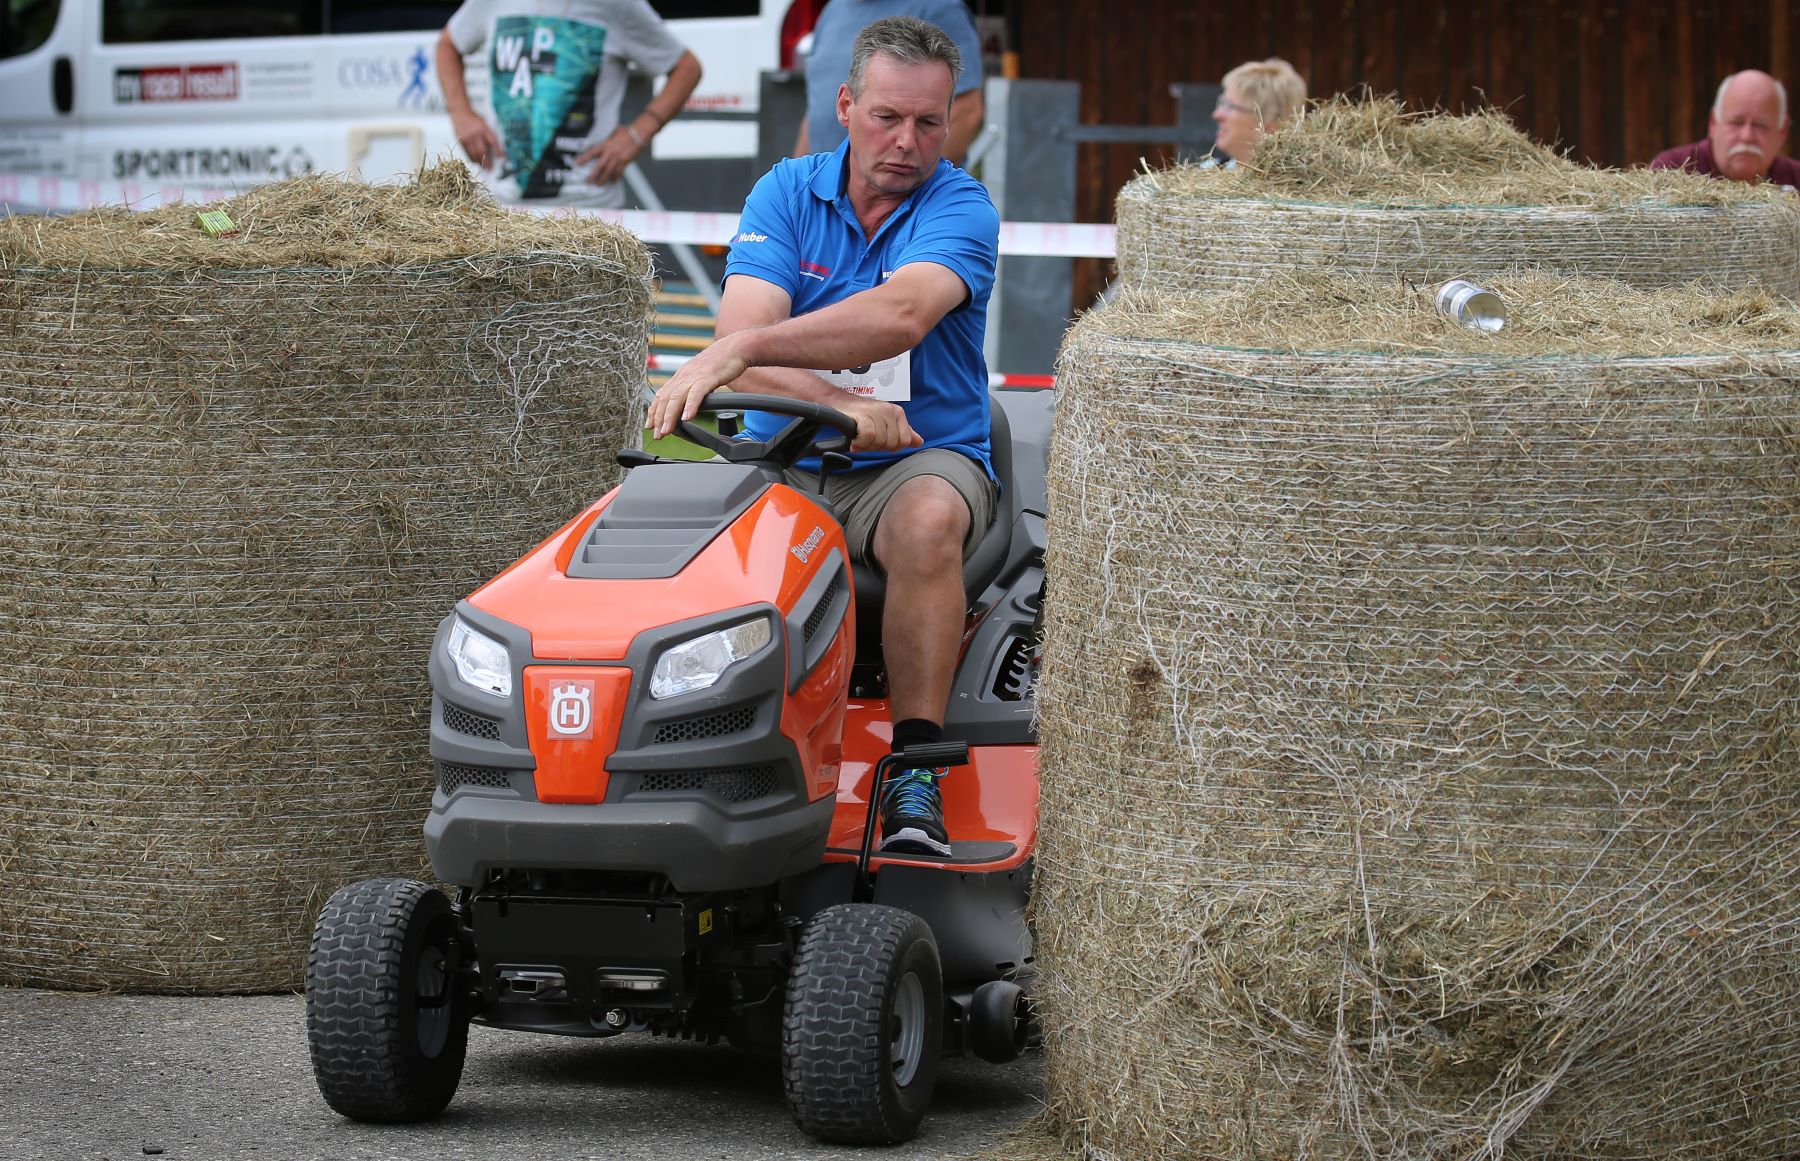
column 816, row 620
column 663, row 515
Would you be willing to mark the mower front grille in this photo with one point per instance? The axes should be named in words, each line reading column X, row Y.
column 817, row 617
column 732, row 784
column 474, row 725
column 454, row 774
column 706, row 726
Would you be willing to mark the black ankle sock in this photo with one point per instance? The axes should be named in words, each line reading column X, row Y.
column 916, row 732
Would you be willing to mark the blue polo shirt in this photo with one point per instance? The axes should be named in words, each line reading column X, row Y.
column 799, row 232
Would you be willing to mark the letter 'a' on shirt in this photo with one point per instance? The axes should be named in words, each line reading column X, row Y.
column 799, row 232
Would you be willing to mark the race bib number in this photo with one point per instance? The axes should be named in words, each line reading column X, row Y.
column 889, row 380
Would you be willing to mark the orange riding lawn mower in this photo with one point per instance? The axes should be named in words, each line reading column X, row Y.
column 659, row 741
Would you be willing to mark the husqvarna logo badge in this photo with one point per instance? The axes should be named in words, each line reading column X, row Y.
column 804, row 549
column 572, row 710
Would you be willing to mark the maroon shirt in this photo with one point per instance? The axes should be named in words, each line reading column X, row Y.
column 1698, row 158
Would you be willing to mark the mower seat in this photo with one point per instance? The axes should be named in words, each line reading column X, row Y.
column 982, row 565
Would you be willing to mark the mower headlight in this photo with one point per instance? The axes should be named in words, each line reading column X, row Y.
column 480, row 660
column 699, row 663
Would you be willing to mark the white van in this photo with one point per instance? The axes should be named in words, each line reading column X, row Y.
column 228, row 93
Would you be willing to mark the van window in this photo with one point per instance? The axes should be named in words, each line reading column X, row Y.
column 26, row 26
column 696, row 9
column 143, row 21
column 396, row 16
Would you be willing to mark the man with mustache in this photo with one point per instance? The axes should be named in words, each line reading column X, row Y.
column 1745, row 134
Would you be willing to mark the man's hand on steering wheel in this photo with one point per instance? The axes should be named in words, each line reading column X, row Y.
column 880, row 426
column 700, row 376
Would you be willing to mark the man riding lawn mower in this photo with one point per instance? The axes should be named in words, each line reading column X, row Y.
column 664, row 737
column 659, row 739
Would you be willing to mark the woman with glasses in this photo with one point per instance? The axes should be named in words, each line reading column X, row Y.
column 1257, row 96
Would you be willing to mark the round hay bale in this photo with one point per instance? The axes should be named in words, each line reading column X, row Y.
column 1419, row 725
column 241, row 481
column 1367, row 188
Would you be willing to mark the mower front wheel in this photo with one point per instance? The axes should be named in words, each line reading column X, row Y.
column 863, row 1027
column 387, row 1013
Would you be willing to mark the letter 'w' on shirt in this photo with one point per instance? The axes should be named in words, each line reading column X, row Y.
column 508, row 50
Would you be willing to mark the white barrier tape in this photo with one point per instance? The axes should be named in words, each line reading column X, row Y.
column 675, row 227
column 34, row 193
column 1059, row 239
column 61, row 194
column 661, row 362
column 1025, row 239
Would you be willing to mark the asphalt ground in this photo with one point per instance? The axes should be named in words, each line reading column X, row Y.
column 213, row 1079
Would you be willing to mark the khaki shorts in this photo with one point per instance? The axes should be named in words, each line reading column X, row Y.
column 858, row 498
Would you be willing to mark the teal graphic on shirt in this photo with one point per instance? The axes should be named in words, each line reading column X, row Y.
column 543, row 72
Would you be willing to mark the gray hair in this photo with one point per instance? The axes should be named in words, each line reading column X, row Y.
column 1780, row 97
column 905, row 39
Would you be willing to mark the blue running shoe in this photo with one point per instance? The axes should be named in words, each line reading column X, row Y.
column 912, row 814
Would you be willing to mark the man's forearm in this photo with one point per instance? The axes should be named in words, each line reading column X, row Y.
column 450, row 78
column 864, row 328
column 682, row 80
column 789, row 382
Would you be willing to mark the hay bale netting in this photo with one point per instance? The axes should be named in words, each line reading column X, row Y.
column 1419, row 718
column 241, row 480
column 1370, row 189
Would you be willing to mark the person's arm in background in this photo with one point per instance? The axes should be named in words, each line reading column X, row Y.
column 969, row 110
column 624, row 144
column 473, row 133
column 967, row 113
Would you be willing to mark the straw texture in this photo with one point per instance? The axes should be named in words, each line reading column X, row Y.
column 1369, row 188
column 241, row 480
column 1419, row 728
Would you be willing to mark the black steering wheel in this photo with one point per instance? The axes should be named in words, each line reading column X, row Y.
column 800, row 437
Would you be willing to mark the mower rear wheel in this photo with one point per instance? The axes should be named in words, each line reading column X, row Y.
column 387, row 1014
column 864, row 1025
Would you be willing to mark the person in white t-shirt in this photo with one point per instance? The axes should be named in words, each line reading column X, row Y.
column 557, row 72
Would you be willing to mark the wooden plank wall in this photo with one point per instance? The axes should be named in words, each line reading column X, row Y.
column 1610, row 81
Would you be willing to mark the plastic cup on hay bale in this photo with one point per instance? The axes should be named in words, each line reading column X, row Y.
column 1420, row 712
column 242, row 478
column 1368, row 188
